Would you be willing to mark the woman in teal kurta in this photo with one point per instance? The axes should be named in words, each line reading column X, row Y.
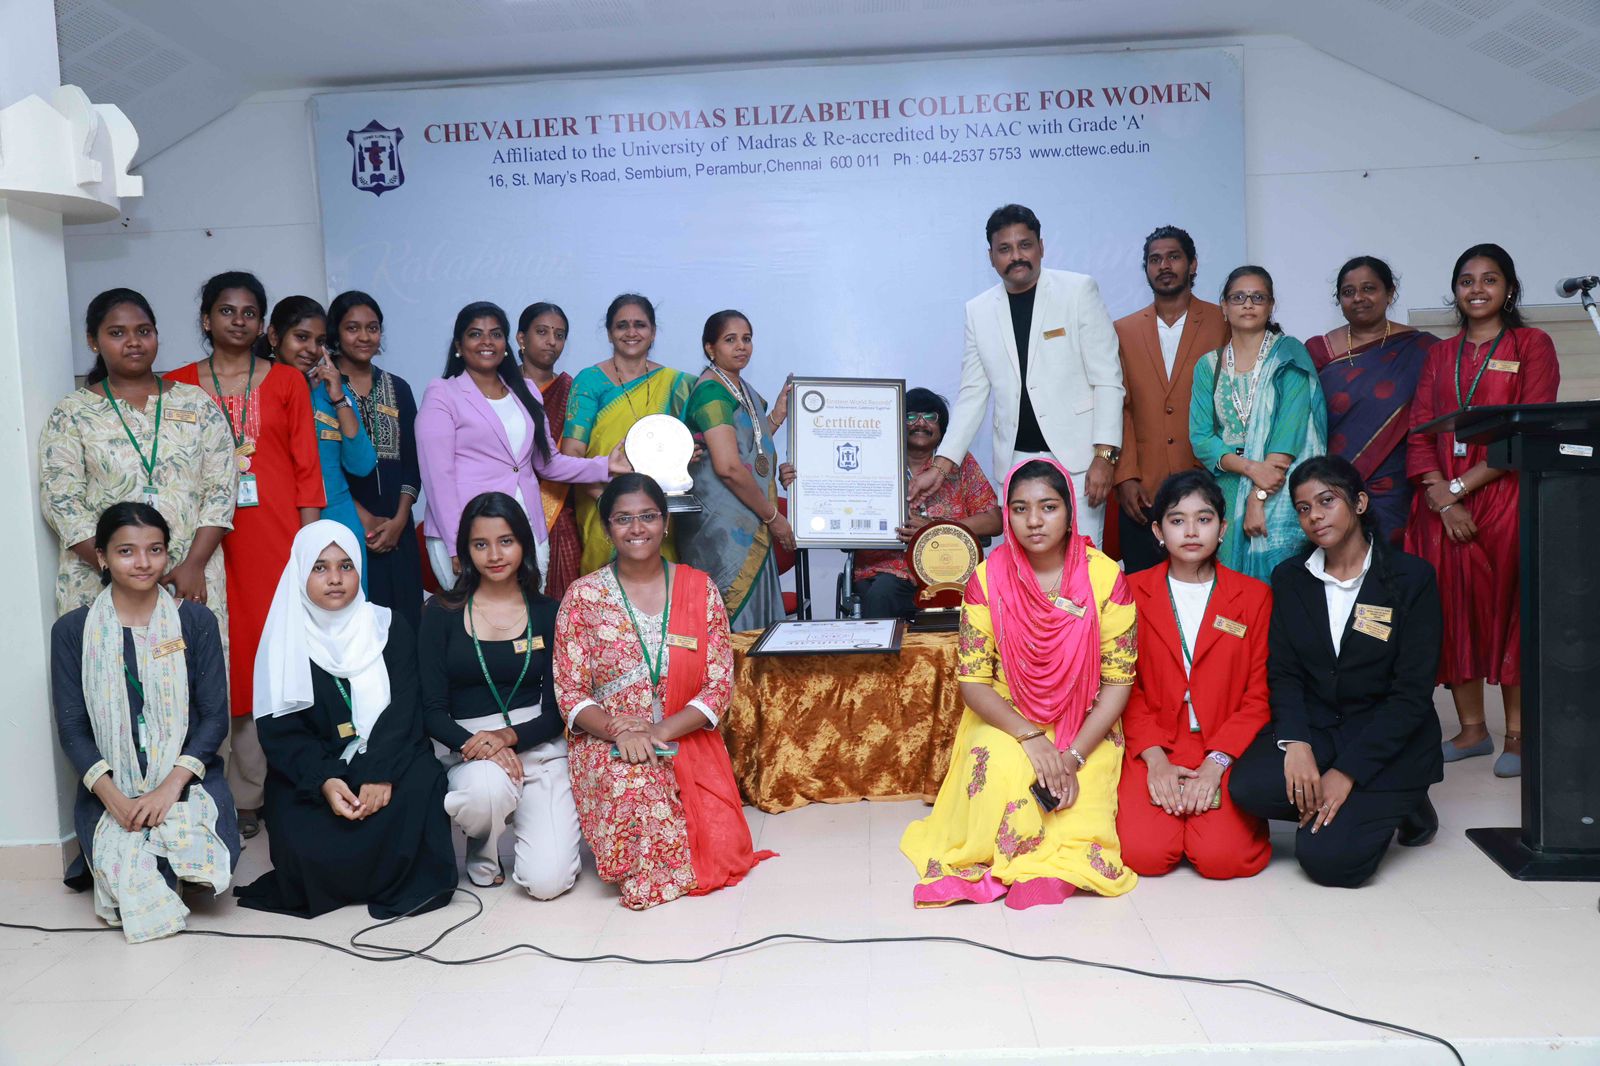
column 1256, row 412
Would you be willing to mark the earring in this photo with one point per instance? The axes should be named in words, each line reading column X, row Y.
column 1163, row 544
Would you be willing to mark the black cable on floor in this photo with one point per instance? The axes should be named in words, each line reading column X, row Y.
column 390, row 953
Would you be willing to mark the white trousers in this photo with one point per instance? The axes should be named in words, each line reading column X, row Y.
column 1089, row 520
column 542, row 813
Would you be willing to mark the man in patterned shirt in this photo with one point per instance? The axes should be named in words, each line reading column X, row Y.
column 882, row 577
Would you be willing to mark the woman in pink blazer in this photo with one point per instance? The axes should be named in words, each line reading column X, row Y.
column 480, row 429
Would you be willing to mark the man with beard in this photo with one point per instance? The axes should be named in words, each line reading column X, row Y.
column 1042, row 343
column 1159, row 347
column 882, row 578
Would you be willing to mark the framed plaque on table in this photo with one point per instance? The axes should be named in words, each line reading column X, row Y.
column 831, row 636
column 847, row 442
column 942, row 557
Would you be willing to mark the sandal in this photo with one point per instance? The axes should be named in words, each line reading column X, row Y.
column 249, row 823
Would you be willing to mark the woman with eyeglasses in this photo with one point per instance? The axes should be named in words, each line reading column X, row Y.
column 1255, row 412
column 643, row 671
column 733, row 537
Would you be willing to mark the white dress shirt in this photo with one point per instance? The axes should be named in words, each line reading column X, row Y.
column 1191, row 600
column 1341, row 594
column 1169, row 336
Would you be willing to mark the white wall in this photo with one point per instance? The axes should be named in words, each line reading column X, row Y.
column 1337, row 163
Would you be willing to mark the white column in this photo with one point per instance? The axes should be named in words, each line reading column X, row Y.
column 61, row 159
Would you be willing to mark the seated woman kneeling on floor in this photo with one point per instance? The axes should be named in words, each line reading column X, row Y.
column 1047, row 648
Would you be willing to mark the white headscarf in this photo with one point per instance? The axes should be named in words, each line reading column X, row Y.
column 347, row 643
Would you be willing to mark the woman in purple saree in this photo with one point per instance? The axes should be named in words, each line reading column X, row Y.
column 1369, row 369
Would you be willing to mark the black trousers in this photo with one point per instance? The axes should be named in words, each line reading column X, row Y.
column 1140, row 549
column 887, row 596
column 1343, row 854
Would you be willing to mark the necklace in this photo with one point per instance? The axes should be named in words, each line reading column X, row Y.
column 1243, row 407
column 763, row 467
column 1349, row 342
column 653, row 668
column 243, row 448
column 627, row 393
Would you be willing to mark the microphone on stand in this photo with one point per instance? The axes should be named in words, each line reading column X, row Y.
column 1569, row 287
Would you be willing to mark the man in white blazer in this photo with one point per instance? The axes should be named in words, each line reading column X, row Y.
column 1042, row 344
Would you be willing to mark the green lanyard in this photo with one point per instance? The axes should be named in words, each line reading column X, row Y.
column 527, row 657
column 666, row 609
column 155, row 439
column 222, row 402
column 1461, row 350
column 133, row 679
column 1183, row 641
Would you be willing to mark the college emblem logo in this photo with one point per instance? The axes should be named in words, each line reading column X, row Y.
column 848, row 456
column 376, row 167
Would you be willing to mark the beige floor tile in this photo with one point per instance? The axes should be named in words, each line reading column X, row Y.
column 169, row 1031
column 1091, row 1011
column 1229, row 947
column 782, row 966
column 834, row 825
column 259, row 969
column 305, row 1028
column 36, row 1033
column 511, row 1023
column 1074, row 929
column 519, row 969
column 948, row 1016
column 816, row 1019
column 661, row 1021
column 1231, row 1014
column 107, row 966
column 1455, row 1003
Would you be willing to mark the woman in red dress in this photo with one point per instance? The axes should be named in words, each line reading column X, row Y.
column 268, row 408
column 1199, row 695
column 1464, row 514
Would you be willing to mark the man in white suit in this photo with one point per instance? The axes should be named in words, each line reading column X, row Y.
column 1042, row 343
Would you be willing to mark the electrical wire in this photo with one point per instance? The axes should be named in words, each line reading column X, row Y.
column 357, row 948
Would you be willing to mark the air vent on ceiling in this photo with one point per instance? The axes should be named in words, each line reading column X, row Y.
column 155, row 67
column 1564, row 76
column 1504, row 49
column 1478, row 9
column 1587, row 55
column 1444, row 22
column 1541, row 31
column 1584, row 11
column 122, row 50
column 1392, row 5
column 84, row 28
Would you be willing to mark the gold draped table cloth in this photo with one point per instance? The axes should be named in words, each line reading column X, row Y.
column 840, row 728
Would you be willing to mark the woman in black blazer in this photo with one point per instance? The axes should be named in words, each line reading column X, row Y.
column 1353, row 650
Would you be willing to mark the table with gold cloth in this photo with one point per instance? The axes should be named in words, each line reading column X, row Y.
column 839, row 728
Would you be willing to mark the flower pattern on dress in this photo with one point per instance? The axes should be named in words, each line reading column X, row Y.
column 1007, row 841
column 974, row 651
column 1115, row 736
column 1117, row 662
column 1109, row 870
column 631, row 815
column 980, row 771
column 934, row 869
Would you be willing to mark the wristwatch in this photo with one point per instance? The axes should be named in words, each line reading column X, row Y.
column 343, row 401
column 1261, row 494
column 1109, row 454
column 1221, row 759
column 1458, row 487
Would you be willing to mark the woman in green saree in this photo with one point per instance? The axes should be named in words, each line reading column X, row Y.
column 608, row 398
column 732, row 539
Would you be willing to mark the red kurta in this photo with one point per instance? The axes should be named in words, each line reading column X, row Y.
column 1228, row 683
column 1479, row 582
column 288, row 477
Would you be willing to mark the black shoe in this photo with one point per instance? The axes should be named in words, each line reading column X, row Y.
column 1420, row 826
column 250, row 824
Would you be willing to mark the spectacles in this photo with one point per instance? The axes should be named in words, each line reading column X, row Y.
column 913, row 417
column 1239, row 299
column 648, row 518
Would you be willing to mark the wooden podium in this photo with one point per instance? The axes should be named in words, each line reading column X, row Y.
column 1555, row 449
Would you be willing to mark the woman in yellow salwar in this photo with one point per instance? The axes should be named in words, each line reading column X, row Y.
column 608, row 398
column 1047, row 650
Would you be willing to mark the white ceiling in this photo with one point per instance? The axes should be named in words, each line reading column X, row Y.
column 174, row 65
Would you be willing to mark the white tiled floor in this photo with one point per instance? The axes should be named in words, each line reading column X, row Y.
column 1440, row 941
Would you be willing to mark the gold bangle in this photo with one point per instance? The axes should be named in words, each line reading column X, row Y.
column 1024, row 737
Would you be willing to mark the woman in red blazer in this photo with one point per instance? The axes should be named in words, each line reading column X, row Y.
column 1199, row 695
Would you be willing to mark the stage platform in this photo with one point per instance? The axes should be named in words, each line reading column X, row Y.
column 1441, row 941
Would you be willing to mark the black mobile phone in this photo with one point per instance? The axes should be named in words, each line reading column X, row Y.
column 1047, row 799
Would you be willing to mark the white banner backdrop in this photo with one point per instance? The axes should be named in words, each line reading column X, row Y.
column 841, row 207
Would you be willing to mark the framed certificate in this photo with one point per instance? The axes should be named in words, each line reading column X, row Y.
column 831, row 636
column 847, row 441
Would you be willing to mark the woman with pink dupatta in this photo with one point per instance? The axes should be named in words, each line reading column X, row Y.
column 643, row 671
column 1046, row 660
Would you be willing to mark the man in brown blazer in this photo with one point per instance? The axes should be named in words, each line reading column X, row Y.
column 1159, row 347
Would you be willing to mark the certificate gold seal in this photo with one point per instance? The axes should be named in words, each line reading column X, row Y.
column 942, row 558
